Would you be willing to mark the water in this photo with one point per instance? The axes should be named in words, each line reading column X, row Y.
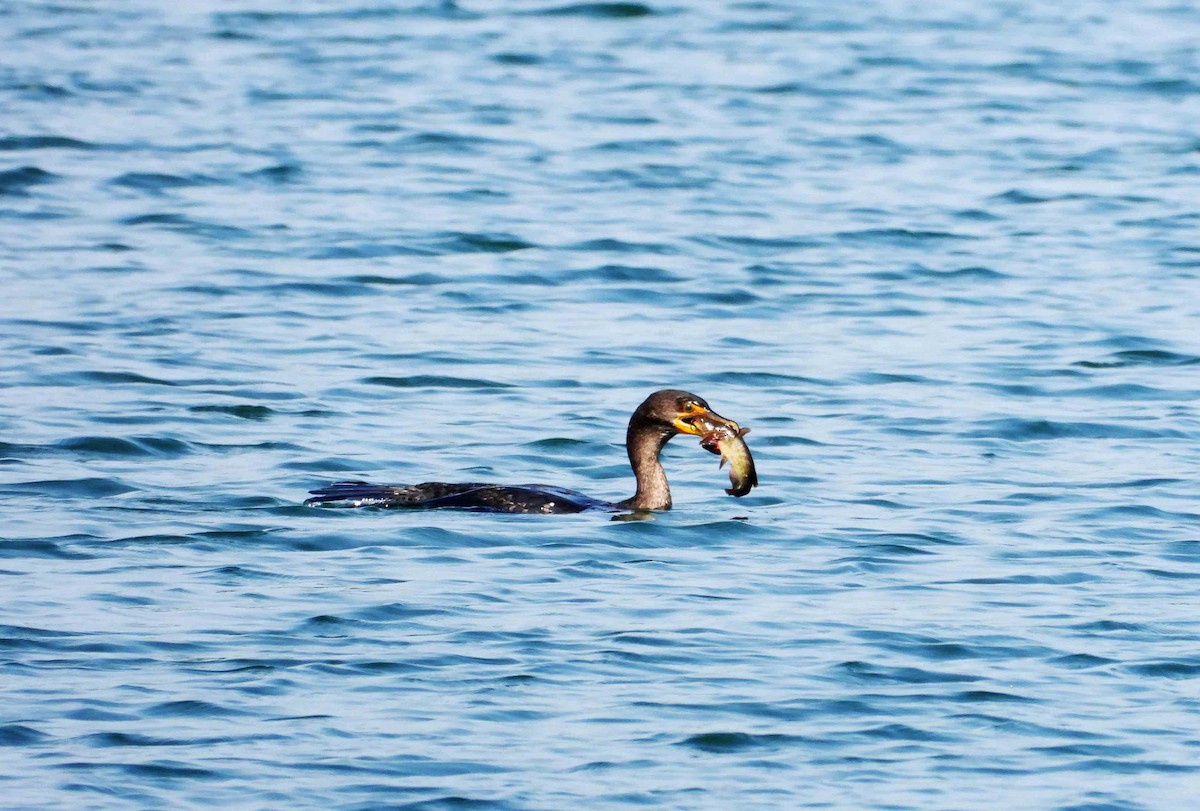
column 941, row 258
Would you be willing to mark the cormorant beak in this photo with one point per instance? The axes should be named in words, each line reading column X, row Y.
column 699, row 421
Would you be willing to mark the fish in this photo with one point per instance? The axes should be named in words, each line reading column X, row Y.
column 727, row 440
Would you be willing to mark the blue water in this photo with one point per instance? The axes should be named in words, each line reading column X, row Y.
column 943, row 260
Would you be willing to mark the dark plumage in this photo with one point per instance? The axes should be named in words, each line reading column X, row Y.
column 661, row 416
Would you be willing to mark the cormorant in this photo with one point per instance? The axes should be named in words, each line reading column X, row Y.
column 660, row 417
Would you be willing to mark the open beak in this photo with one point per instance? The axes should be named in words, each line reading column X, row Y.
column 701, row 421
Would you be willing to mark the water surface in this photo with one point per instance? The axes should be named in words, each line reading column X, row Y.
column 942, row 259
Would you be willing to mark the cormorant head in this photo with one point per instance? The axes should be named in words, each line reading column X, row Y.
column 680, row 412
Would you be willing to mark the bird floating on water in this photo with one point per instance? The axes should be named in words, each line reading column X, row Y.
column 660, row 417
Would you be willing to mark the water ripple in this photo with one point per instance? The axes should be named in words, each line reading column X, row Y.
column 947, row 278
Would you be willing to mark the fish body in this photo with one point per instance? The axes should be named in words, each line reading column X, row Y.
column 728, row 442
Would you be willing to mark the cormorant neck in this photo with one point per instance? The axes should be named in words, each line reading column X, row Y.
column 644, row 441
